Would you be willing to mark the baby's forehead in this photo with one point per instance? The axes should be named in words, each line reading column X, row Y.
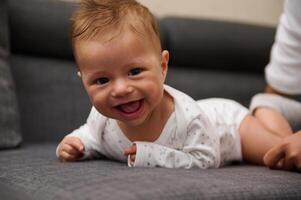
column 134, row 26
column 132, row 35
column 118, row 33
column 126, row 46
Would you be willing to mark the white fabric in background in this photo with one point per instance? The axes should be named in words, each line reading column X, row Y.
column 283, row 72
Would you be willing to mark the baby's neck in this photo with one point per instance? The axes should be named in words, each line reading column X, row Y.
column 152, row 129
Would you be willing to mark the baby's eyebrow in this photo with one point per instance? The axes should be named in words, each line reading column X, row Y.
column 136, row 62
column 91, row 75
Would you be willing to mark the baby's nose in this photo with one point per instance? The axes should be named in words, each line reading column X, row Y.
column 121, row 88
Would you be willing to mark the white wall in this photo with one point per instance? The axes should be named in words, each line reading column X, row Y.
column 262, row 12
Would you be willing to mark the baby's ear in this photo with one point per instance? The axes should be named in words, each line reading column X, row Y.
column 164, row 62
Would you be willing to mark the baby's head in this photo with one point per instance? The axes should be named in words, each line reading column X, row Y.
column 118, row 52
column 106, row 19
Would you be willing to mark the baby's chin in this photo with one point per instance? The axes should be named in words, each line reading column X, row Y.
column 133, row 123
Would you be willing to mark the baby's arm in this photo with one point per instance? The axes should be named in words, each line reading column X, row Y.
column 70, row 149
column 152, row 155
column 89, row 136
column 200, row 149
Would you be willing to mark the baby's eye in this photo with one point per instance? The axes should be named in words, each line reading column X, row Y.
column 135, row 71
column 102, row 81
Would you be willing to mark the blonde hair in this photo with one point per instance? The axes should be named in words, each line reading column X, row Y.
column 96, row 17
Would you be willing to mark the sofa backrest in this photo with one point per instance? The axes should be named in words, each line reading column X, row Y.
column 217, row 58
column 217, row 45
column 41, row 27
column 51, row 98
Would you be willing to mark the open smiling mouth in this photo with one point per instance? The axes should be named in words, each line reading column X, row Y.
column 132, row 108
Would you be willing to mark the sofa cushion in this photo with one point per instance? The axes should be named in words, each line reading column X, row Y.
column 10, row 135
column 36, row 173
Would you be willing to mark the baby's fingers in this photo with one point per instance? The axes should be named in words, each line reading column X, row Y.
column 293, row 158
column 133, row 158
column 130, row 150
column 76, row 144
column 69, row 153
column 280, row 164
column 64, row 156
column 69, row 149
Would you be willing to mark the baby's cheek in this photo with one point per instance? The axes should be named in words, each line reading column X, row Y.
column 155, row 86
column 99, row 101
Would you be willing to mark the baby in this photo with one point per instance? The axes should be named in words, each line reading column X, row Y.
column 138, row 119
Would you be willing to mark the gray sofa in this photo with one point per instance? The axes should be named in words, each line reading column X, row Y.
column 208, row 59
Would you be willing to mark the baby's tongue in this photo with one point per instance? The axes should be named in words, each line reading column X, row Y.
column 130, row 107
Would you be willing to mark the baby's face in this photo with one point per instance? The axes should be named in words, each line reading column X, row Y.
column 123, row 77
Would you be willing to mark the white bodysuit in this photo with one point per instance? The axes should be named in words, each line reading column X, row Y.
column 200, row 134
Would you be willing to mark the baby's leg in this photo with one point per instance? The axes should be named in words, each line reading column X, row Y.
column 256, row 140
column 278, row 114
column 273, row 121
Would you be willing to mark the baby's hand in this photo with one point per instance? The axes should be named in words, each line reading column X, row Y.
column 286, row 155
column 132, row 152
column 70, row 149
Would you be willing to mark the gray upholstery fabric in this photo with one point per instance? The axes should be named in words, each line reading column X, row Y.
column 238, row 86
column 10, row 135
column 32, row 21
column 52, row 100
column 4, row 32
column 35, row 172
column 217, row 44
